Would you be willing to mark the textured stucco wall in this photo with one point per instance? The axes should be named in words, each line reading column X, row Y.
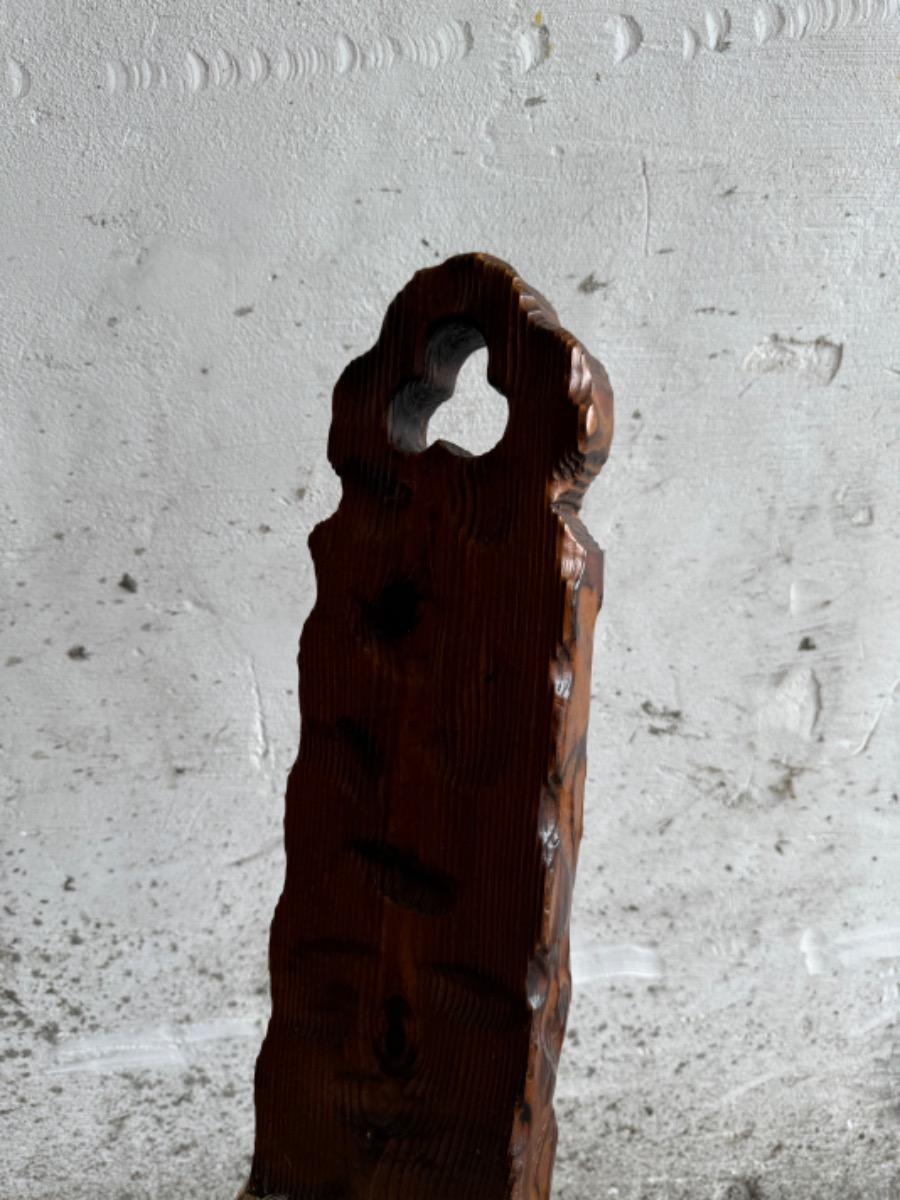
column 205, row 209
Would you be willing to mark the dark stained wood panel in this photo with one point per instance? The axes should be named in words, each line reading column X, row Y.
column 419, row 951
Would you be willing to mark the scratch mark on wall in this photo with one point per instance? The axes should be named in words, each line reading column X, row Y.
column 19, row 78
column 804, row 18
column 264, row 851
column 815, row 362
column 627, row 961
column 262, row 751
column 645, row 183
column 533, row 45
column 808, row 595
column 749, row 1086
column 864, row 744
column 157, row 1047
column 627, row 37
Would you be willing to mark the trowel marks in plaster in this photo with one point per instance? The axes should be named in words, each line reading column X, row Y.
column 533, row 45
column 815, row 362
column 808, row 596
column 19, row 78
column 158, row 1047
column 824, row 954
column 223, row 68
column 794, row 704
column 596, row 961
column 716, row 27
column 627, row 37
column 135, row 77
column 810, row 17
column 770, row 20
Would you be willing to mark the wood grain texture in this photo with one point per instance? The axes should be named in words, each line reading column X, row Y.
column 419, row 950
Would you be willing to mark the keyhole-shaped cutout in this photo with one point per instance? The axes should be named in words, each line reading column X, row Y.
column 474, row 418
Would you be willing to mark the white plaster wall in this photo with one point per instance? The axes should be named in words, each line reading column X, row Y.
column 206, row 209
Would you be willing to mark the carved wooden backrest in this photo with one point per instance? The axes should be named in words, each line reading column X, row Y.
column 419, row 951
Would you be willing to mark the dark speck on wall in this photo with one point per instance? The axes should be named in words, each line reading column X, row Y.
column 244, row 310
column 534, row 101
column 670, row 717
column 77, row 652
column 69, row 885
column 591, row 283
column 806, row 643
column 128, row 583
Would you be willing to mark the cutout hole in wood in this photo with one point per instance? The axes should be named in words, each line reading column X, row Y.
column 452, row 402
column 475, row 417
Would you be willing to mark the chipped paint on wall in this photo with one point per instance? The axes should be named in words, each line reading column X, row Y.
column 814, row 362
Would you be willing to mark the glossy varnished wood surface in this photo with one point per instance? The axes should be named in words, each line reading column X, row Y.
column 419, row 950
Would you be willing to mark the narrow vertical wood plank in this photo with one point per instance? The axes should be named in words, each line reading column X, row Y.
column 419, row 951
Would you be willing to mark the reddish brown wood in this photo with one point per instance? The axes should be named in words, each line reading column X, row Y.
column 419, row 951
